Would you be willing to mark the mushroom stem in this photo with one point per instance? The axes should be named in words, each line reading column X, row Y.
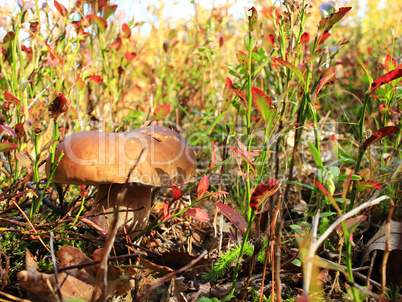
column 133, row 211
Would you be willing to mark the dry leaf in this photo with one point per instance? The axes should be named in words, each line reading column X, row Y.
column 74, row 283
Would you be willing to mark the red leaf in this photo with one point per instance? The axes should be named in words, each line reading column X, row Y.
column 202, row 187
column 305, row 38
column 263, row 192
column 197, row 214
column 242, row 148
column 126, row 30
column 95, row 78
column 213, row 159
column 241, row 95
column 130, row 55
column 328, row 72
column 323, row 81
column 243, row 59
column 234, row 217
column 8, row 130
column 116, row 44
column 165, row 211
column 365, row 185
column 390, row 63
column 322, row 39
column 161, row 112
column 227, row 94
column 244, row 156
column 177, row 193
column 326, row 24
column 58, row 106
column 218, row 192
column 347, row 184
column 19, row 130
column 60, row 8
column 263, row 104
column 11, row 98
column 386, row 78
column 378, row 135
column 324, row 190
column 4, row 147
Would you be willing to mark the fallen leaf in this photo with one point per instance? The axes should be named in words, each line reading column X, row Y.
column 74, row 283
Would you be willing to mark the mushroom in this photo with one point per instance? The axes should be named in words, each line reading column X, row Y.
column 105, row 159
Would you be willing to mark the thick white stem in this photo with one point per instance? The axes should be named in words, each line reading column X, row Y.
column 133, row 210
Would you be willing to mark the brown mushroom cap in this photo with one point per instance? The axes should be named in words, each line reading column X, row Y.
column 92, row 157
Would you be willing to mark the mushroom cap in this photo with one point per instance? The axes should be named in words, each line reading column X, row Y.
column 92, row 157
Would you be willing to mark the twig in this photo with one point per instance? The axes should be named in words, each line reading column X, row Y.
column 56, row 273
column 31, row 225
column 308, row 266
column 103, row 267
column 387, row 246
column 171, row 275
column 83, row 265
column 278, row 261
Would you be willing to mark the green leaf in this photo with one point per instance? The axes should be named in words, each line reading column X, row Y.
column 243, row 59
column 109, row 10
column 324, row 263
column 250, row 39
column 345, row 176
column 364, row 68
column 302, row 185
column 227, row 95
column 161, row 112
column 102, row 23
column 252, row 20
column 263, row 104
column 316, row 155
column 293, row 68
column 4, row 147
